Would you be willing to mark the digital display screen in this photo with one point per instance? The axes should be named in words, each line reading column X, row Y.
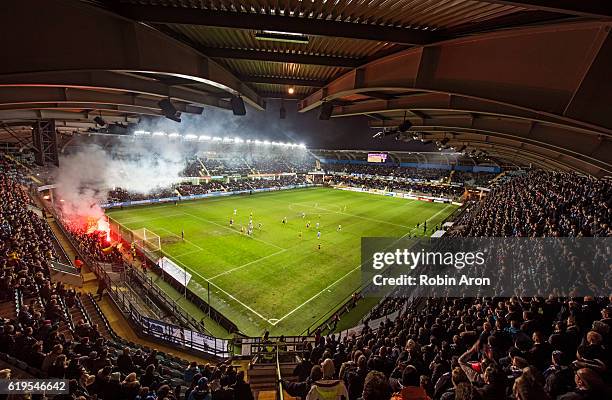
column 377, row 157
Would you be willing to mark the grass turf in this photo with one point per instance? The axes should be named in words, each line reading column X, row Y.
column 276, row 280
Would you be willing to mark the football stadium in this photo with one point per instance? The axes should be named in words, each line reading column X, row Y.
column 314, row 200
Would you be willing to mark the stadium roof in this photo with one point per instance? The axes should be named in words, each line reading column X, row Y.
column 522, row 80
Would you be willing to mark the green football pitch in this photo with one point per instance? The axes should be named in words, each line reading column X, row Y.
column 278, row 279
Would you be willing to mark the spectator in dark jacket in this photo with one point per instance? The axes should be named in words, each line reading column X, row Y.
column 242, row 389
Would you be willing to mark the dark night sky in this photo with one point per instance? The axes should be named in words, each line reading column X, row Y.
column 336, row 133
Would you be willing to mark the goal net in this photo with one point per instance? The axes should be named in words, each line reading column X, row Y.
column 148, row 242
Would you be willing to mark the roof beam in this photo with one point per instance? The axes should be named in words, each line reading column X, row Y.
column 582, row 8
column 243, row 20
column 521, row 149
column 33, row 115
column 57, row 95
column 424, row 102
column 596, row 150
column 478, row 67
column 107, row 80
column 120, row 45
column 282, row 81
column 281, row 57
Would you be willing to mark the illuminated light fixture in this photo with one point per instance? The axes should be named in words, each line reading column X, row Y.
column 159, row 133
column 265, row 142
column 291, row 90
column 173, row 135
column 302, row 145
column 248, row 140
column 227, row 140
column 191, row 137
column 217, row 139
column 277, row 36
column 142, row 133
column 257, row 141
column 238, row 140
column 204, row 137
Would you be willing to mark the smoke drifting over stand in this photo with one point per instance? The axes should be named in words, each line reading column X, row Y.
column 98, row 164
column 86, row 176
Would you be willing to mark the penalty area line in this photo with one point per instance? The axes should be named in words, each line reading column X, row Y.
column 226, row 293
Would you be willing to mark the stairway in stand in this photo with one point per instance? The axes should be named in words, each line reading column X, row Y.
column 95, row 316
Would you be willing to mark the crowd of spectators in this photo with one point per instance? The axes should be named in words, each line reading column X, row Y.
column 468, row 349
column 437, row 190
column 26, row 249
column 484, row 348
column 120, row 194
column 425, row 174
column 542, row 203
column 417, row 174
column 185, row 189
column 96, row 367
column 473, row 178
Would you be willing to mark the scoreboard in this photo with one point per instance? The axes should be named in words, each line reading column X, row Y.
column 377, row 157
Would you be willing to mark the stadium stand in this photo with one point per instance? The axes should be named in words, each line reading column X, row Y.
column 494, row 118
column 48, row 330
column 554, row 348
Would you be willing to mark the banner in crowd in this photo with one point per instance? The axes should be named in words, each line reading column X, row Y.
column 200, row 196
column 396, row 194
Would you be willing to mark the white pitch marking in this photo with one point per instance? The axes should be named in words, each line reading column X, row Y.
column 246, row 265
column 186, row 241
column 229, row 295
column 350, row 272
column 231, row 230
column 140, row 219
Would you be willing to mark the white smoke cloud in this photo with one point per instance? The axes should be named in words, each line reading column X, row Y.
column 90, row 170
column 86, row 176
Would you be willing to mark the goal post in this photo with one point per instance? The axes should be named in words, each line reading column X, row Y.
column 148, row 242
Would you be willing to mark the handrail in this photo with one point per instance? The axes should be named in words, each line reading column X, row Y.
column 196, row 340
column 279, row 384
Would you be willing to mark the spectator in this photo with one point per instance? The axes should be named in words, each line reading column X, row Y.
column 328, row 388
column 376, row 387
column 411, row 389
